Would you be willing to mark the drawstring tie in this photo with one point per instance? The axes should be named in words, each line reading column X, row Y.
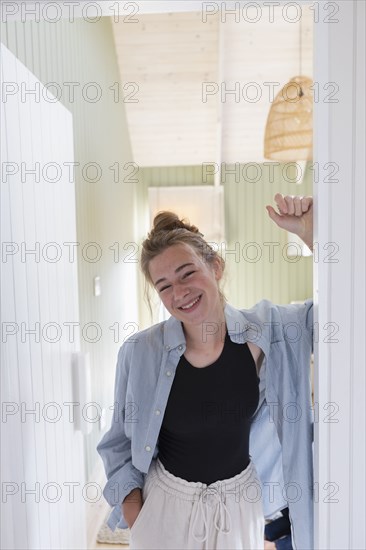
column 221, row 517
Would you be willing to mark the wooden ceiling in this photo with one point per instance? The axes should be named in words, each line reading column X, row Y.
column 166, row 62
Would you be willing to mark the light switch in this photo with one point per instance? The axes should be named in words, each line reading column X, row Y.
column 97, row 288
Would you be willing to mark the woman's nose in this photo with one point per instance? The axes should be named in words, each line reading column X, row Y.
column 180, row 292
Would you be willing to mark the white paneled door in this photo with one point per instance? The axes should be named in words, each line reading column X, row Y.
column 43, row 485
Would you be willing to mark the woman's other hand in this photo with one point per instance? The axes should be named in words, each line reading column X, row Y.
column 131, row 506
column 295, row 215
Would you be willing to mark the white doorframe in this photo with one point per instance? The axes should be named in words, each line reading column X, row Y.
column 339, row 278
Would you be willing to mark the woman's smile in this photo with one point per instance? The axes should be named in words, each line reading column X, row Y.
column 192, row 305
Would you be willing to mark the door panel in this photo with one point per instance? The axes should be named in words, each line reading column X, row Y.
column 42, row 452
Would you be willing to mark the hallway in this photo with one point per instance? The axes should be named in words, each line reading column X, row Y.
column 107, row 118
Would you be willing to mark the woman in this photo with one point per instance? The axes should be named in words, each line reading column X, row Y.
column 177, row 454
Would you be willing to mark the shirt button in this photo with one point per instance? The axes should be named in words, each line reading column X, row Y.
column 168, row 373
column 147, row 448
column 157, row 411
column 167, row 348
column 180, row 347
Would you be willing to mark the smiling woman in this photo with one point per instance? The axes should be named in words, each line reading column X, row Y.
column 183, row 475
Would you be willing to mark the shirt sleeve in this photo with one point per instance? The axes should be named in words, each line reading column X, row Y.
column 297, row 321
column 115, row 449
column 306, row 320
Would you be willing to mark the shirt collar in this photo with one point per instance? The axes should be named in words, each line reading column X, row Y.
column 240, row 329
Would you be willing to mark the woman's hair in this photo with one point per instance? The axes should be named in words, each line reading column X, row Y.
column 168, row 230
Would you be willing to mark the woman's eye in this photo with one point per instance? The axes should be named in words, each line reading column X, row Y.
column 164, row 288
column 187, row 274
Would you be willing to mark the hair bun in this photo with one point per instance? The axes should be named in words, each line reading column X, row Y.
column 169, row 221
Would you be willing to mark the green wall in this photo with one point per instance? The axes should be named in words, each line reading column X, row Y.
column 168, row 176
column 252, row 273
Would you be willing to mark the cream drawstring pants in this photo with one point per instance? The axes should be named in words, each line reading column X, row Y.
column 179, row 514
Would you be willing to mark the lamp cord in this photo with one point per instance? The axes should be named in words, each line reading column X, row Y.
column 301, row 93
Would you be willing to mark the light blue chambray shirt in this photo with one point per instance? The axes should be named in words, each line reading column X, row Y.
column 281, row 432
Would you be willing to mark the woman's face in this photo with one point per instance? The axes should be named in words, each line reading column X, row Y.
column 187, row 286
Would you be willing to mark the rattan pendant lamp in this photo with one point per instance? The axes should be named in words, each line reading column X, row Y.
column 289, row 128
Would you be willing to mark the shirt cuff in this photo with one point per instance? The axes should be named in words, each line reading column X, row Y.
column 116, row 519
column 119, row 485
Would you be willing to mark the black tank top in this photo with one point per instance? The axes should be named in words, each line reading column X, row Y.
column 205, row 430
